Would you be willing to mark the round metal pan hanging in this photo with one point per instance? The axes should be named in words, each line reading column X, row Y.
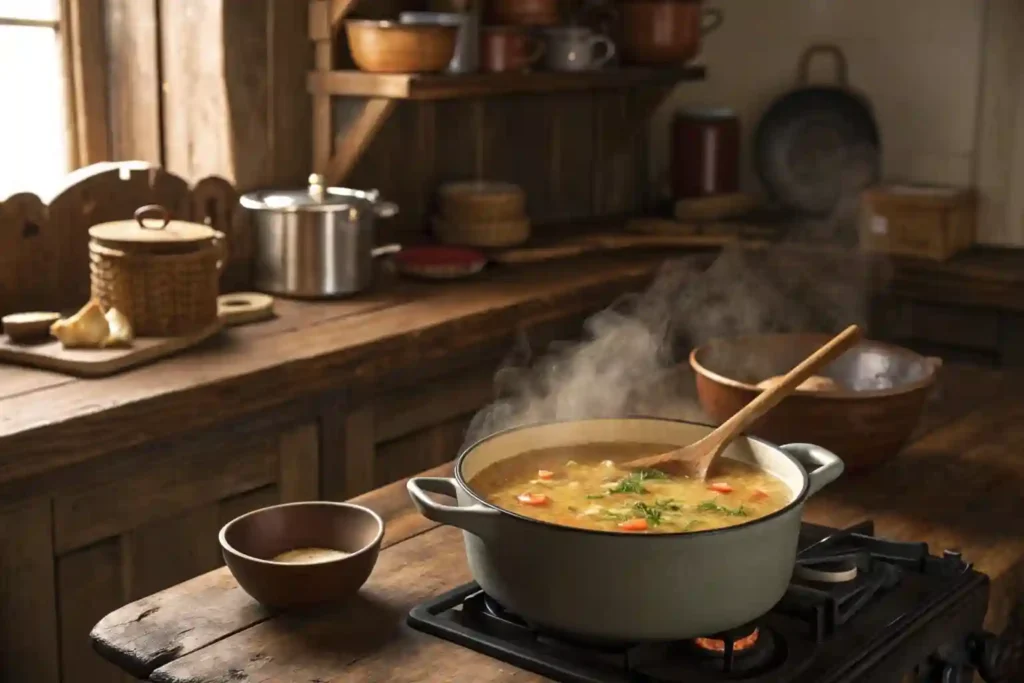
column 818, row 143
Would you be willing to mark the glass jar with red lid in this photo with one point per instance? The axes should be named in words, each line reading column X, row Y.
column 705, row 154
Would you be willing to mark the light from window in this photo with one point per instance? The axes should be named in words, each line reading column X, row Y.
column 33, row 131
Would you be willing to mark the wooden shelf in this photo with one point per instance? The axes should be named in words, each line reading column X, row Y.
column 453, row 86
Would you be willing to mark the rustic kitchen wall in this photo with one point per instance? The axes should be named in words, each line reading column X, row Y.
column 944, row 77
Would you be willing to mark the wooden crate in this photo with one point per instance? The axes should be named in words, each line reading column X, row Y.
column 924, row 221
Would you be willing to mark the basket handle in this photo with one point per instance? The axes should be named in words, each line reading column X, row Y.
column 220, row 245
column 152, row 211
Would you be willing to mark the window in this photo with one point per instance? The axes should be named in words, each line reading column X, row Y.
column 34, row 133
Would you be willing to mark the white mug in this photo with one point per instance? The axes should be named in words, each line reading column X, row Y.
column 572, row 48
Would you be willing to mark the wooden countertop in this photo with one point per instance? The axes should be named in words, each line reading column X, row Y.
column 49, row 420
column 957, row 485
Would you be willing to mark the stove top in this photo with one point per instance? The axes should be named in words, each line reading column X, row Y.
column 859, row 608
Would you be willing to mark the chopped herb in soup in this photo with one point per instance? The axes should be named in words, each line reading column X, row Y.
column 584, row 486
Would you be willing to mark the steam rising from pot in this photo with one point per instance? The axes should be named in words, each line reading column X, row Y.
column 632, row 356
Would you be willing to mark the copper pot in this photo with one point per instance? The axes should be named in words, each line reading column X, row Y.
column 665, row 31
column 883, row 392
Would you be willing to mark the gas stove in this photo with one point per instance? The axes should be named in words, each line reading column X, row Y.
column 859, row 609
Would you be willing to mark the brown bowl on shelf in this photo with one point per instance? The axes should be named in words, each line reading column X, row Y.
column 883, row 389
column 474, row 201
column 301, row 554
column 393, row 47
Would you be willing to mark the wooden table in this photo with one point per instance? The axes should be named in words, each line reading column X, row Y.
column 957, row 485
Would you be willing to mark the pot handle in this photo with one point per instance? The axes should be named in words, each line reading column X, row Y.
column 823, row 467
column 477, row 519
column 711, row 20
column 385, row 250
column 385, row 209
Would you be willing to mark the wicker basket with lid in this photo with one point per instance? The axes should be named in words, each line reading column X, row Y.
column 162, row 274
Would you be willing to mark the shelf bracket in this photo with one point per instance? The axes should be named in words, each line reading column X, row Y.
column 359, row 121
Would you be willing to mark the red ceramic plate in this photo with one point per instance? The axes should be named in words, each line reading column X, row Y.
column 440, row 263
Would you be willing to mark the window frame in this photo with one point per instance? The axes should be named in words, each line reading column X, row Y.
column 80, row 29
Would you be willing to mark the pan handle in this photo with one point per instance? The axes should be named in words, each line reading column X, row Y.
column 478, row 520
column 803, row 75
column 823, row 467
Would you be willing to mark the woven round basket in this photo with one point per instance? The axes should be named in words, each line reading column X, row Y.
column 481, row 202
column 166, row 285
column 492, row 234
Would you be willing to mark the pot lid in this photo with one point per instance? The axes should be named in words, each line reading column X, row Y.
column 316, row 197
column 152, row 225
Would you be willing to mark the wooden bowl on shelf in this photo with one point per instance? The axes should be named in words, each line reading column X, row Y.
column 302, row 554
column 392, row 47
column 883, row 389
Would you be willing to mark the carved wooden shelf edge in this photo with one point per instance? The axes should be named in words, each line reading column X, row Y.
column 452, row 86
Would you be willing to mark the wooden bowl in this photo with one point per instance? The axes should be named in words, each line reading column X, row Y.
column 251, row 542
column 884, row 389
column 391, row 47
column 28, row 327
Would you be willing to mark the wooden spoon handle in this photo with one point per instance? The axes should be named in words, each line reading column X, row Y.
column 771, row 397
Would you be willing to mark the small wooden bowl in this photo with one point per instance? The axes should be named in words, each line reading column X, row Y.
column 250, row 542
column 391, row 47
column 28, row 327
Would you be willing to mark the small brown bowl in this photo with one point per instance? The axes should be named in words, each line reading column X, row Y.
column 23, row 328
column 391, row 47
column 250, row 542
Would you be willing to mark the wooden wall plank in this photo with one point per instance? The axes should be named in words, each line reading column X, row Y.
column 134, row 98
column 1001, row 125
column 174, row 482
column 29, row 649
column 299, row 462
column 85, row 30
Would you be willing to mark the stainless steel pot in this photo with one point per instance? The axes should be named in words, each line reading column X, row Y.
column 317, row 242
column 628, row 587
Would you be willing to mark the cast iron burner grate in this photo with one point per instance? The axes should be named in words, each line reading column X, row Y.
column 889, row 598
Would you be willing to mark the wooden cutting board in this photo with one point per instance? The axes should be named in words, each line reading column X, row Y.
column 611, row 242
column 50, row 355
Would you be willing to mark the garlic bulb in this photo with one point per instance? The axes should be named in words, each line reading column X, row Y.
column 88, row 328
column 121, row 332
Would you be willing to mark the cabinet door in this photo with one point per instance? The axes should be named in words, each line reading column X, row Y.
column 150, row 526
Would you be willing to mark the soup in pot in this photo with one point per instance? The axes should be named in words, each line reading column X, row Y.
column 584, row 486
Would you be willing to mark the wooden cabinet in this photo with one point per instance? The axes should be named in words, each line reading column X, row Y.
column 78, row 542
column 127, row 526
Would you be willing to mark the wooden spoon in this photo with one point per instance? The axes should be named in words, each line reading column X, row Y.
column 694, row 460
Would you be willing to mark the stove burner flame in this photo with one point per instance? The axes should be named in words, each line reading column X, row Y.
column 718, row 646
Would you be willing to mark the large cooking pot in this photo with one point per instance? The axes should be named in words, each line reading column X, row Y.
column 883, row 390
column 316, row 242
column 605, row 585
